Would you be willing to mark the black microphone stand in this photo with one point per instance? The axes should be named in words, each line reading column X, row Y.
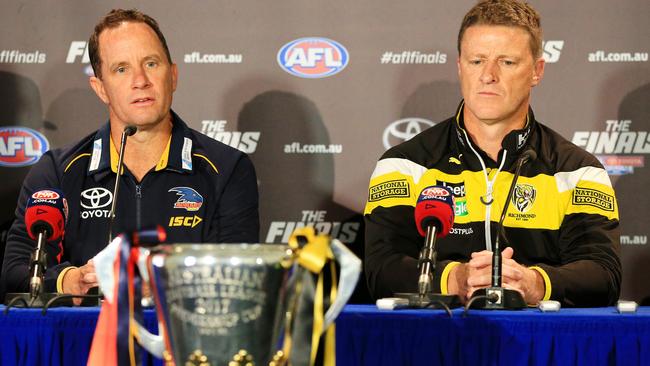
column 128, row 131
column 496, row 297
column 425, row 298
column 36, row 298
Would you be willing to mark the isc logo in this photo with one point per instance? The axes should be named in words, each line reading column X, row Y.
column 188, row 221
column 313, row 57
column 20, row 146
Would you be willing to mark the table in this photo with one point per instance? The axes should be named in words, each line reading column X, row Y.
column 601, row 336
column 61, row 337
column 367, row 336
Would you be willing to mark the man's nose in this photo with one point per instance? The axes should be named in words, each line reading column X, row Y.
column 489, row 74
column 140, row 78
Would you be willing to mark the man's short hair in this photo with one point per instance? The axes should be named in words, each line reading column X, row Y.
column 511, row 13
column 112, row 20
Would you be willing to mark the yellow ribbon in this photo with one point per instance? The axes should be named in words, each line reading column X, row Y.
column 315, row 253
column 313, row 256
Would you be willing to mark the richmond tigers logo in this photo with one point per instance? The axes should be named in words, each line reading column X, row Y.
column 523, row 197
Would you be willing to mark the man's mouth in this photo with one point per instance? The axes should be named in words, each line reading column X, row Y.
column 487, row 93
column 142, row 101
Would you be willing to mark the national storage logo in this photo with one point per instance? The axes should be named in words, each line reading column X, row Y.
column 594, row 198
column 313, row 57
column 21, row 146
column 390, row 189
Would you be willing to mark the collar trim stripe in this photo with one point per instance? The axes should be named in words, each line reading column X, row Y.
column 73, row 160
column 115, row 157
column 164, row 158
column 209, row 162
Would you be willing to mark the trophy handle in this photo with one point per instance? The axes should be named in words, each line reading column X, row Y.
column 154, row 343
column 350, row 270
column 151, row 342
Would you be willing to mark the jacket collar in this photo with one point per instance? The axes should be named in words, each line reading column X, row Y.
column 514, row 142
column 177, row 156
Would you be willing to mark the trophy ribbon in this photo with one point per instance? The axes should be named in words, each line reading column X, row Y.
column 313, row 252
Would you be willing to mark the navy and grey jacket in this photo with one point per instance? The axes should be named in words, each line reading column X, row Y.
column 200, row 191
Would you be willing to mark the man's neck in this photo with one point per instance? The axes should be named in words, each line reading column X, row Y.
column 144, row 149
column 489, row 136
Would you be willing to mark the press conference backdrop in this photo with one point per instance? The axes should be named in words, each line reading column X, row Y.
column 315, row 92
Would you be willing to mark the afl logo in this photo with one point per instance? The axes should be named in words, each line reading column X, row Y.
column 404, row 130
column 46, row 195
column 21, row 146
column 313, row 57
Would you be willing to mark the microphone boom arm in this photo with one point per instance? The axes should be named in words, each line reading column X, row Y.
column 128, row 131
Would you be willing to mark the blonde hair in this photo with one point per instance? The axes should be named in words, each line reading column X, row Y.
column 510, row 13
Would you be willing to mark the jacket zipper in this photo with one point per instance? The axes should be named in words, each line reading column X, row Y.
column 138, row 200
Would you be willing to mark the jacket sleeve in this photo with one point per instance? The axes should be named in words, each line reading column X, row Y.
column 589, row 244
column 19, row 249
column 237, row 219
column 393, row 243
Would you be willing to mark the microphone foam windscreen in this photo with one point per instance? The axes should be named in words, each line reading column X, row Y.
column 435, row 206
column 47, row 210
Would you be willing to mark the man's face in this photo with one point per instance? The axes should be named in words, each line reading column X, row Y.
column 137, row 80
column 497, row 70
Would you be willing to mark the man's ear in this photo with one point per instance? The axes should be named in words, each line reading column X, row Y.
column 98, row 86
column 538, row 71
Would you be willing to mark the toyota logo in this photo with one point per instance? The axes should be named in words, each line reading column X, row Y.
column 95, row 198
column 403, row 130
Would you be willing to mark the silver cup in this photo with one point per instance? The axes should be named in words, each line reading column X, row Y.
column 224, row 304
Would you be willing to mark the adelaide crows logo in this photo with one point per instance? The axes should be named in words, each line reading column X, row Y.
column 523, row 197
column 188, row 199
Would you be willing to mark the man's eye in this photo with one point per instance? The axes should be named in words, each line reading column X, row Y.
column 120, row 70
column 508, row 62
column 151, row 64
column 475, row 62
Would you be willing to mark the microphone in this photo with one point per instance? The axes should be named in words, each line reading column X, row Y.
column 434, row 217
column 498, row 297
column 45, row 218
column 128, row 131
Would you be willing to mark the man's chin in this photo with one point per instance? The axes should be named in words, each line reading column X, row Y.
column 488, row 114
column 146, row 121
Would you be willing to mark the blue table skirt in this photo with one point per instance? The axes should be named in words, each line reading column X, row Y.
column 367, row 336
column 62, row 337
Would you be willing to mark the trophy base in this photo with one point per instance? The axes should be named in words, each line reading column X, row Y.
column 430, row 300
column 497, row 298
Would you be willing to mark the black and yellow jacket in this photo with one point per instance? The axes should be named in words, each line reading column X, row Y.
column 200, row 191
column 562, row 220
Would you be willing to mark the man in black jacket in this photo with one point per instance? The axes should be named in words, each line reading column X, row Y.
column 199, row 189
column 563, row 218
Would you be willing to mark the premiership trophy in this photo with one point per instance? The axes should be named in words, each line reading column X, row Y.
column 246, row 304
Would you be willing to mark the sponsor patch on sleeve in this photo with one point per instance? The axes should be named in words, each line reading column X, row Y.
column 594, row 198
column 398, row 188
